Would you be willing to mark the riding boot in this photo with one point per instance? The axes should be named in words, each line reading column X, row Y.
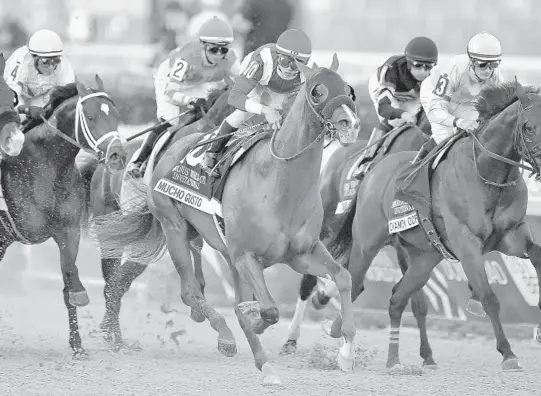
column 209, row 162
column 146, row 149
column 424, row 151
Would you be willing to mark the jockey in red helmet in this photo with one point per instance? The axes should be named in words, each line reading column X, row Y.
column 395, row 87
column 269, row 70
column 448, row 96
column 189, row 74
column 34, row 70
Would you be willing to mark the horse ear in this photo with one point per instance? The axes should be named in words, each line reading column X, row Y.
column 2, row 63
column 334, row 64
column 521, row 93
column 81, row 90
column 306, row 71
column 99, row 83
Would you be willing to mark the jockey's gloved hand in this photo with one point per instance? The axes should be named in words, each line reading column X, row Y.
column 466, row 125
column 197, row 103
column 34, row 112
column 408, row 117
column 272, row 116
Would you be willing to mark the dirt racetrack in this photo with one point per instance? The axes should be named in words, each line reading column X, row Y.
column 36, row 360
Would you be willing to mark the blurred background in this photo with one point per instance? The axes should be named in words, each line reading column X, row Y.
column 124, row 40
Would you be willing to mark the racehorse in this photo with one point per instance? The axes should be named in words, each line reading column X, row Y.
column 43, row 189
column 272, row 212
column 335, row 174
column 104, row 190
column 478, row 203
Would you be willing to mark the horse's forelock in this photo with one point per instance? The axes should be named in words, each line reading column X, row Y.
column 493, row 100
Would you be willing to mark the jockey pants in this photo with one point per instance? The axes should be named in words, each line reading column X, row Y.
column 441, row 132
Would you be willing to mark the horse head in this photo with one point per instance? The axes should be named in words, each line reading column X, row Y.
column 11, row 136
column 329, row 96
column 96, row 125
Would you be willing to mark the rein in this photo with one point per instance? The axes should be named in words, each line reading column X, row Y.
column 328, row 128
column 475, row 140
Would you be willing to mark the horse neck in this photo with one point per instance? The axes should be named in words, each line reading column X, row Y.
column 64, row 120
column 298, row 136
column 502, row 142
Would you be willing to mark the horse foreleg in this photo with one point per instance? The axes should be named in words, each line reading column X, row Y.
column 468, row 248
column 518, row 242
column 319, row 262
column 118, row 279
column 74, row 293
column 243, row 294
column 196, row 247
column 308, row 283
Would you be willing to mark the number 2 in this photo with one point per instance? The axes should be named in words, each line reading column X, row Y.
column 178, row 71
column 441, row 85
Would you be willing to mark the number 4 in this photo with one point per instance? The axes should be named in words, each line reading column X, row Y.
column 14, row 71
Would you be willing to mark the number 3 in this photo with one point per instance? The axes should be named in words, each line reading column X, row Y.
column 441, row 86
column 178, row 71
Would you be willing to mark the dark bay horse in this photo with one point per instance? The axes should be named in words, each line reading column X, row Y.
column 332, row 188
column 104, row 192
column 479, row 201
column 44, row 191
column 272, row 212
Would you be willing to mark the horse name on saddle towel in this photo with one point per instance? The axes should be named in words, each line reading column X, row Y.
column 407, row 217
column 184, row 196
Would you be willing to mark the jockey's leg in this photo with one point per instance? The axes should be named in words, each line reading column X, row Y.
column 146, row 149
column 228, row 126
column 439, row 134
column 377, row 134
column 424, row 150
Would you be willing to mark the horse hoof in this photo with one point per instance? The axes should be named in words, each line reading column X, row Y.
column 197, row 316
column 430, row 365
column 475, row 308
column 345, row 364
column 270, row 376
column 80, row 354
column 326, row 326
column 320, row 300
column 78, row 299
column 227, row 348
column 512, row 365
column 537, row 335
column 289, row 347
column 395, row 368
column 393, row 364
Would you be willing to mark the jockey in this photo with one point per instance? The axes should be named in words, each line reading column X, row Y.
column 34, row 70
column 269, row 77
column 448, row 96
column 395, row 87
column 184, row 80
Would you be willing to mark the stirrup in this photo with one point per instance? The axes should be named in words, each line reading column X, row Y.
column 134, row 170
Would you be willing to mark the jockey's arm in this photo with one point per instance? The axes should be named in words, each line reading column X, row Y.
column 238, row 97
column 385, row 99
column 435, row 94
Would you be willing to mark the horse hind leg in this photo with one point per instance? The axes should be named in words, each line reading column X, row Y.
column 176, row 229
column 196, row 246
column 420, row 310
column 415, row 277
column 308, row 283
column 118, row 279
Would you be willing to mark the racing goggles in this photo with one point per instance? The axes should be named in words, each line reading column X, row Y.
column 216, row 49
column 423, row 65
column 483, row 65
column 51, row 61
column 288, row 62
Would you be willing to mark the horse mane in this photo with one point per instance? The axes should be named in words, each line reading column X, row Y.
column 493, row 100
column 58, row 96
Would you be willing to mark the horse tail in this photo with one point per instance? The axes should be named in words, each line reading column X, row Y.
column 131, row 232
column 341, row 242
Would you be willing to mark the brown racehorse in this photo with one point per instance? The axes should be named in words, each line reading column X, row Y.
column 333, row 178
column 479, row 201
column 104, row 191
column 44, row 190
column 272, row 212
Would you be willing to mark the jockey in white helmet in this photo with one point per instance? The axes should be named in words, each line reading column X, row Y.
column 269, row 70
column 34, row 70
column 448, row 95
column 189, row 74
